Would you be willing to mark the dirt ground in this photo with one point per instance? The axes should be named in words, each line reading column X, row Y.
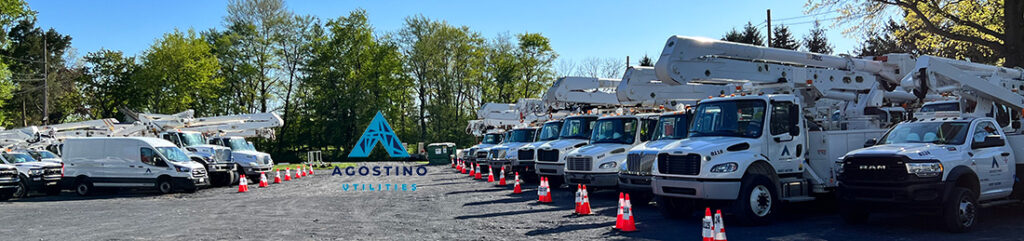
column 445, row 206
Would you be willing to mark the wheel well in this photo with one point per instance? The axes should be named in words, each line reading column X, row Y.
column 163, row 177
column 969, row 181
column 761, row 167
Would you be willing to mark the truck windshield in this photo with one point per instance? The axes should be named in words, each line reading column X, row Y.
column 741, row 118
column 615, row 130
column 44, row 154
column 173, row 154
column 192, row 139
column 576, row 128
column 953, row 133
column 239, row 144
column 524, row 135
column 671, row 127
column 952, row 106
column 13, row 158
column 549, row 131
column 492, row 138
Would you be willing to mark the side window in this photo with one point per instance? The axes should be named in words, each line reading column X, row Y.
column 647, row 129
column 147, row 156
column 780, row 118
column 983, row 129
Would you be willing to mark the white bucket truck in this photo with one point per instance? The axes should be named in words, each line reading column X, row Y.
column 597, row 164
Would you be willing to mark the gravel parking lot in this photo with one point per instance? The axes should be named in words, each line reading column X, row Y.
column 445, row 206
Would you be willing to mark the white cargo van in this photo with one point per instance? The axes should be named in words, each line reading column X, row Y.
column 118, row 162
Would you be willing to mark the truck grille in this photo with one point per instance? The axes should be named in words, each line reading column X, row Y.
column 525, row 155
column 679, row 165
column 199, row 172
column 8, row 173
column 222, row 155
column 874, row 169
column 640, row 163
column 547, row 155
column 578, row 163
column 51, row 171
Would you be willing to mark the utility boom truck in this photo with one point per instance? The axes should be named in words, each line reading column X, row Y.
column 777, row 141
column 952, row 163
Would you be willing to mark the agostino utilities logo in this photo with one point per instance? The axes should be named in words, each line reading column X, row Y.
column 379, row 131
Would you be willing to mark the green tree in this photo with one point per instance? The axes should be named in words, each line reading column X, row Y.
column 294, row 52
column 29, row 66
column 816, row 41
column 646, row 61
column 536, row 58
column 11, row 11
column 983, row 31
column 179, row 72
column 878, row 43
column 749, row 35
column 108, row 84
column 782, row 38
column 258, row 25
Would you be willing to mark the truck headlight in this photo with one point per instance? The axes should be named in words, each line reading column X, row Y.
column 926, row 169
column 35, row 172
column 725, row 167
column 182, row 169
column 607, row 165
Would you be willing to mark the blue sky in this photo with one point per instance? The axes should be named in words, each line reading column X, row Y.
column 577, row 29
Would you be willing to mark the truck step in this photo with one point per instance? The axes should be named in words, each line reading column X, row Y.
column 798, row 199
column 999, row 202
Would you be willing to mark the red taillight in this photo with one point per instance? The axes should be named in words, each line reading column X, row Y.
column 61, row 169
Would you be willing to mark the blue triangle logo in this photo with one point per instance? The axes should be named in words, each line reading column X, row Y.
column 379, row 131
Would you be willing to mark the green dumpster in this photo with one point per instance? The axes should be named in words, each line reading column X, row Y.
column 440, row 153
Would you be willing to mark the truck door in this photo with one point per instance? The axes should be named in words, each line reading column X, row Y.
column 991, row 159
column 784, row 142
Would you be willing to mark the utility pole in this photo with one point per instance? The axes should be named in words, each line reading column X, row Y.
column 46, row 83
column 769, row 27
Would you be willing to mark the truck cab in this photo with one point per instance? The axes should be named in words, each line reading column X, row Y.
column 478, row 153
column 635, row 175
column 34, row 175
column 247, row 159
column 951, row 166
column 505, row 153
column 216, row 159
column 575, row 133
column 527, row 154
column 597, row 164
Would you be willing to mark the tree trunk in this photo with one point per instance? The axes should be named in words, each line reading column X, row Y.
column 1013, row 41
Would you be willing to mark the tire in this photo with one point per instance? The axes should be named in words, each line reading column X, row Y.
column 758, row 201
column 673, row 208
column 53, row 191
column 83, row 187
column 22, row 190
column 960, row 210
column 164, row 185
column 853, row 212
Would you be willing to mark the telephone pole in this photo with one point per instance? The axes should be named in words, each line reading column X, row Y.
column 769, row 27
column 46, row 84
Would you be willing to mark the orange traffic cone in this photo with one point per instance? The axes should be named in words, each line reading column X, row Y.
column 719, row 226
column 707, row 228
column 479, row 174
column 501, row 181
column 585, row 207
column 472, row 170
column 462, row 167
column 453, row 163
column 542, row 190
column 618, row 214
column 277, row 178
column 517, row 189
column 579, row 198
column 263, row 180
column 287, row 174
column 490, row 174
column 297, row 175
column 628, row 224
column 243, row 185
column 310, row 169
column 302, row 171
column 547, row 190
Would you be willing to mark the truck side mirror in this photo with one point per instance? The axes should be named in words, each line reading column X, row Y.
column 871, row 142
column 1015, row 124
column 794, row 120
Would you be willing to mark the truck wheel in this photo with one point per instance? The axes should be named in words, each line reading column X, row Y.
column 83, row 187
column 164, row 185
column 22, row 190
column 853, row 213
column 673, row 208
column 960, row 210
column 758, row 202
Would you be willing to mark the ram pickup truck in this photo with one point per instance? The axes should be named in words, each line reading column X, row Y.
column 948, row 166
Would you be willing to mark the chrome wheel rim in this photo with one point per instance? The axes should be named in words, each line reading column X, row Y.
column 966, row 212
column 760, row 201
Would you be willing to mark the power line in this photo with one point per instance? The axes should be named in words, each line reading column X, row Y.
column 805, row 16
column 21, row 59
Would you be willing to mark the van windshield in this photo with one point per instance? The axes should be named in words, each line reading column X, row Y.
column 239, row 144
column 173, row 154
column 13, row 158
